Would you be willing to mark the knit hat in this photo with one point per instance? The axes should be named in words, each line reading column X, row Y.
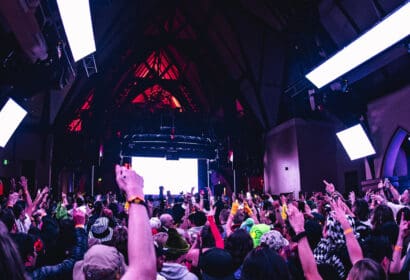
column 100, row 262
column 176, row 244
column 248, row 224
column 100, row 230
column 216, row 264
column 274, row 239
column 256, row 233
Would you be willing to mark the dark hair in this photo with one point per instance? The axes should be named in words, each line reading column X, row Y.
column 406, row 212
column 80, row 201
column 239, row 217
column 25, row 244
column 120, row 241
column 224, row 215
column 198, row 218
column 11, row 265
column 114, row 208
column 377, row 248
column 8, row 218
column 361, row 209
column 381, row 215
column 17, row 210
column 239, row 244
column 367, row 269
column 263, row 263
column 207, row 238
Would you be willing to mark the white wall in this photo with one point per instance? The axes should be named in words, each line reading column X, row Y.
column 385, row 116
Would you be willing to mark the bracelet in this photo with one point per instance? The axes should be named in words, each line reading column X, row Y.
column 398, row 248
column 347, row 231
column 299, row 236
column 79, row 226
column 135, row 200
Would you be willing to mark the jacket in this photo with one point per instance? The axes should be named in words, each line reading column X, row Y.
column 175, row 271
column 66, row 266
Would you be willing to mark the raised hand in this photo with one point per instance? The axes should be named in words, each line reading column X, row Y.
column 296, row 219
column 339, row 213
column 247, row 209
column 235, row 206
column 130, row 182
column 352, row 197
column 13, row 197
column 329, row 187
column 23, row 183
column 404, row 226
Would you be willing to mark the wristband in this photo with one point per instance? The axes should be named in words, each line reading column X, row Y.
column 398, row 248
column 79, row 226
column 135, row 200
column 347, row 231
column 299, row 236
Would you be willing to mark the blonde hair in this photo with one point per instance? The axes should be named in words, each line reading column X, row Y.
column 366, row 269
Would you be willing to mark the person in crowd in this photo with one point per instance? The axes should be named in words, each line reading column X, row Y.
column 11, row 265
column 28, row 253
column 167, row 222
column 238, row 244
column 217, row 264
column 263, row 263
column 257, row 236
column 366, row 269
column 177, row 248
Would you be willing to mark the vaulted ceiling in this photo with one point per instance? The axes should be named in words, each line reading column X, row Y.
column 221, row 59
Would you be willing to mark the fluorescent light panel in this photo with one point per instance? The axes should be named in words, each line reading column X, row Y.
column 355, row 142
column 385, row 34
column 76, row 17
column 11, row 116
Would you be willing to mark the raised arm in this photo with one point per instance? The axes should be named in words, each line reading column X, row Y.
column 234, row 209
column 219, row 242
column 353, row 246
column 297, row 221
column 23, row 182
column 141, row 253
column 397, row 261
column 76, row 253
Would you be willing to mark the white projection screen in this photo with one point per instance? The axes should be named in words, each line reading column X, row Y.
column 174, row 175
column 355, row 142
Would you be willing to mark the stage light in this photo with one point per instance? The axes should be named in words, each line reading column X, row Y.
column 355, row 142
column 11, row 116
column 76, row 18
column 391, row 30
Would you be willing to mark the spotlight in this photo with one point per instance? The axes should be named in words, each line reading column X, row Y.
column 11, row 115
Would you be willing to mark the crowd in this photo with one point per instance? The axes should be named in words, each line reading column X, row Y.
column 203, row 236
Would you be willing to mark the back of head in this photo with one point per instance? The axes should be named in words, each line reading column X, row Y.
column 7, row 217
column 239, row 244
column 361, row 209
column 11, row 265
column 263, row 263
column 216, row 264
column 100, row 262
column 198, row 218
column 25, row 244
column 381, row 215
column 207, row 238
column 366, row 269
column 377, row 248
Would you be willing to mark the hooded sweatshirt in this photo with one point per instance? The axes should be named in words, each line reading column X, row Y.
column 175, row 271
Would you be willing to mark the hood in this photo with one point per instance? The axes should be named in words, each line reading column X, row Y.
column 173, row 271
